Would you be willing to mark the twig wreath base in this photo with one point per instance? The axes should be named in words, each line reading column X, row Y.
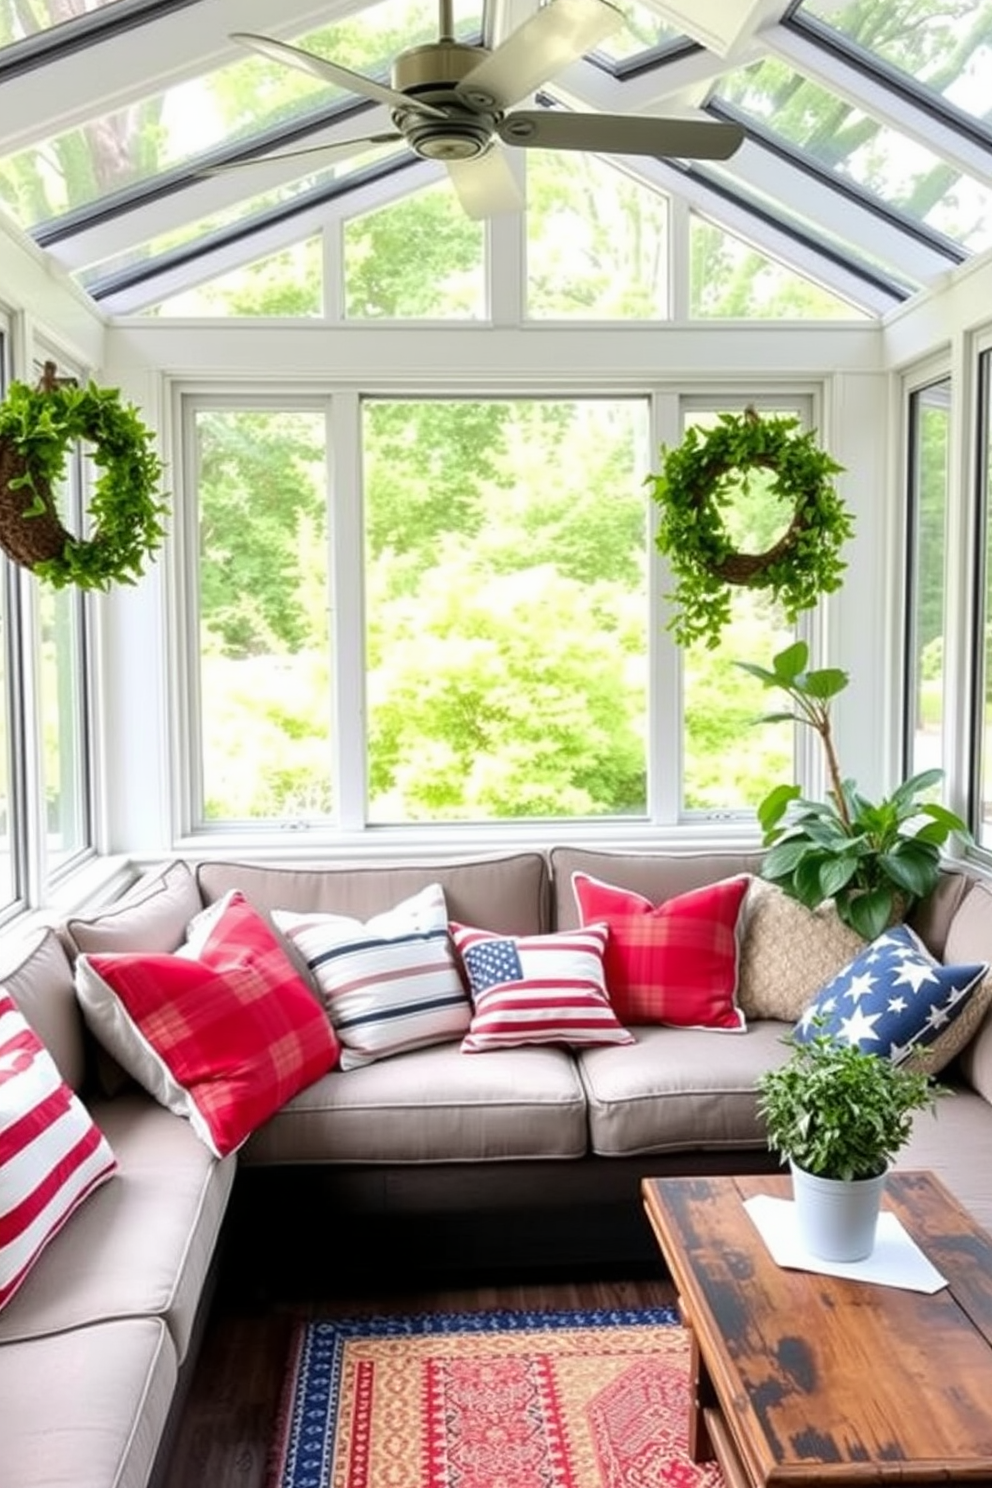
column 698, row 476
column 38, row 426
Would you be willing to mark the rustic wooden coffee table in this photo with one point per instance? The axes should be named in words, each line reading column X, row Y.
column 800, row 1378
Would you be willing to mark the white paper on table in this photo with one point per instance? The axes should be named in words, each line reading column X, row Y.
column 896, row 1261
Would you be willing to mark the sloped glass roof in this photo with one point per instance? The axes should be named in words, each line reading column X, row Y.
column 132, row 131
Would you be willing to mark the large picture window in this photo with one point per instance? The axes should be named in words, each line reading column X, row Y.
column 499, row 655
column 928, row 438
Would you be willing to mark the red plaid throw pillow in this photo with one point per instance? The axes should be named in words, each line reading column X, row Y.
column 224, row 1032
column 675, row 962
column 52, row 1156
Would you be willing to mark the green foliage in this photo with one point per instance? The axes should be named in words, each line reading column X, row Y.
column 874, row 859
column 838, row 1111
column 701, row 474
column 125, row 509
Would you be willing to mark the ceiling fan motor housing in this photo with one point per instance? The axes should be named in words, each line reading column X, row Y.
column 432, row 72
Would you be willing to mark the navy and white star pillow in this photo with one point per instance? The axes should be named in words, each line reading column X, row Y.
column 895, row 999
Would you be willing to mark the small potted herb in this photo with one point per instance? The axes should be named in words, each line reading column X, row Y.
column 839, row 1115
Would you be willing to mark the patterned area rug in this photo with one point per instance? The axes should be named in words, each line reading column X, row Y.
column 489, row 1400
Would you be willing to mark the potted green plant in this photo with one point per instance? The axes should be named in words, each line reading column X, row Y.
column 874, row 859
column 838, row 1115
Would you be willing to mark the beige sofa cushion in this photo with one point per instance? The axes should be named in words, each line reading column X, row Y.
column 433, row 1105
column 152, row 916
column 789, row 952
column 969, row 938
column 508, row 894
column 141, row 1245
column 679, row 1089
column 657, row 876
column 38, row 976
column 86, row 1408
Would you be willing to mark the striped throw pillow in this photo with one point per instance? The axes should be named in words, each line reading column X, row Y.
column 224, row 1032
column 390, row 983
column 52, row 1155
column 537, row 989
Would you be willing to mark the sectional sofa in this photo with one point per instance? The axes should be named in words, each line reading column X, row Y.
column 450, row 1152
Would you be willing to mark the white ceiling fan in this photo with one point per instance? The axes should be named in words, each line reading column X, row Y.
column 448, row 101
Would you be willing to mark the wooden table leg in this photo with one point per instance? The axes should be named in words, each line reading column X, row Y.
column 701, row 1396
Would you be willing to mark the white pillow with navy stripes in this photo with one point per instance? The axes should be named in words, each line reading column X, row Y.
column 390, row 983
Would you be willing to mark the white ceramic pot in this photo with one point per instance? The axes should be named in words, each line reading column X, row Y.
column 836, row 1220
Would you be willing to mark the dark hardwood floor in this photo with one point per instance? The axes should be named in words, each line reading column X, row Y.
column 227, row 1424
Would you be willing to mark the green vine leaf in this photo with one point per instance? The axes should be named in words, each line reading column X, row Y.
column 698, row 475
column 38, row 427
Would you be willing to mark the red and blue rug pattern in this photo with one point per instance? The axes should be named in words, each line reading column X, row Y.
column 509, row 1399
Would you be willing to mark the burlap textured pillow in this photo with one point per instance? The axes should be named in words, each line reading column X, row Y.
column 789, row 952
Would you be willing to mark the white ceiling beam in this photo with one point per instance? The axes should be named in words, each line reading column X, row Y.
column 65, row 92
column 892, row 109
column 823, row 207
column 204, row 198
column 721, row 25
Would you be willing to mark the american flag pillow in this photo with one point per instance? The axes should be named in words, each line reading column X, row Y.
column 673, row 963
column 537, row 989
column 223, row 1032
column 52, row 1155
column 390, row 983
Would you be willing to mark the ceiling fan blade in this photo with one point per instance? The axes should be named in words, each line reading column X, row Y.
column 486, row 186
column 330, row 72
column 559, row 33
column 333, row 148
column 621, row 134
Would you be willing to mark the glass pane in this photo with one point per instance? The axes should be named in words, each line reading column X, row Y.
column 21, row 18
column 417, row 258
column 264, row 623
column 506, row 608
column 929, row 426
column 731, row 762
column 944, row 44
column 644, row 31
column 730, row 279
column 64, row 752
column 237, row 102
column 242, row 212
column 597, row 241
column 286, row 283
column 895, row 169
column 8, row 803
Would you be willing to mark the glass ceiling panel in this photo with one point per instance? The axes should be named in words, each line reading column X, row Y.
column 201, row 231
column 809, row 229
column 894, row 169
column 944, row 44
column 21, row 18
column 645, row 31
column 235, row 103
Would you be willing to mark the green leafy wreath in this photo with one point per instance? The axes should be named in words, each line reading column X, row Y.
column 698, row 475
column 38, row 425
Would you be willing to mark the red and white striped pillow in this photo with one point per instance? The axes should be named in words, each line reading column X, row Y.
column 52, row 1154
column 224, row 1032
column 537, row 989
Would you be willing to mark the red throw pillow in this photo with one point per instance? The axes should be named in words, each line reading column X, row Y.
column 224, row 1032
column 675, row 962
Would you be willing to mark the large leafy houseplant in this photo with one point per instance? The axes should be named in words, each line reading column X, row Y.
column 838, row 1111
column 875, row 859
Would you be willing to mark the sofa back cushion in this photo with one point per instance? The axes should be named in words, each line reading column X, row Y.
column 656, row 876
column 507, row 894
column 969, row 937
column 38, row 976
column 153, row 916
